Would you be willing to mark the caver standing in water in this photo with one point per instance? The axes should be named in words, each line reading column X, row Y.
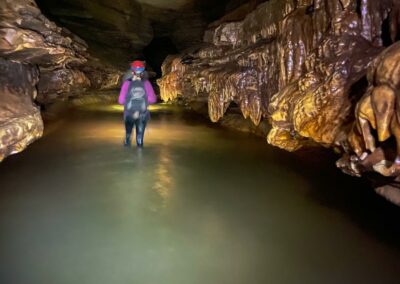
column 136, row 95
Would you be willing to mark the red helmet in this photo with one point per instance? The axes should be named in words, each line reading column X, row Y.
column 137, row 64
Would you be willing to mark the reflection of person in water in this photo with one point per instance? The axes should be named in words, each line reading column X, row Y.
column 136, row 94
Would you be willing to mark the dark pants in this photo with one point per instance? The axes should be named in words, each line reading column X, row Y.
column 140, row 124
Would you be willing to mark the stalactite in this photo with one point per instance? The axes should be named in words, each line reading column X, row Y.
column 295, row 64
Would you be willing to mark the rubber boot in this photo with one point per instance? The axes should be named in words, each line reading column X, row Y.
column 127, row 142
column 139, row 141
column 141, row 125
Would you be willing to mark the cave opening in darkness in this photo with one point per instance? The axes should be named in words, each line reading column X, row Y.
column 122, row 31
column 156, row 52
column 390, row 32
column 386, row 33
column 233, row 108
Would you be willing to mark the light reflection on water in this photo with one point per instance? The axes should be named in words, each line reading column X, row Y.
column 196, row 205
column 163, row 175
column 116, row 108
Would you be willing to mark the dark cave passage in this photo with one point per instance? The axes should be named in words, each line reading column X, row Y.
column 123, row 31
column 157, row 51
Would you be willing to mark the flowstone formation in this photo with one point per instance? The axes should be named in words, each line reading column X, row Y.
column 39, row 61
column 20, row 119
column 302, row 66
column 373, row 144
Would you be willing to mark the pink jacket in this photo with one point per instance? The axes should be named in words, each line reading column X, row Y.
column 151, row 96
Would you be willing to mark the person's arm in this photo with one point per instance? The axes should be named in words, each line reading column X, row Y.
column 151, row 95
column 123, row 92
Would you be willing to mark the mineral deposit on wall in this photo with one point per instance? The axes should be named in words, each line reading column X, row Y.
column 302, row 66
column 37, row 54
column 20, row 119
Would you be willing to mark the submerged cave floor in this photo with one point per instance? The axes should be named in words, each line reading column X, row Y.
column 199, row 204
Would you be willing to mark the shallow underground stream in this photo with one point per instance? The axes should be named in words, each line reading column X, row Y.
column 199, row 204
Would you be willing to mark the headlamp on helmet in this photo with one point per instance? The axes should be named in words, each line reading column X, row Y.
column 137, row 67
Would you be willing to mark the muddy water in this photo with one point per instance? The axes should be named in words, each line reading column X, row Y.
column 198, row 204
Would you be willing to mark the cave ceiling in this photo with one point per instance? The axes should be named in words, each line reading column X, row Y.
column 118, row 30
column 166, row 4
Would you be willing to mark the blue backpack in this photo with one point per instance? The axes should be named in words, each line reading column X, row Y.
column 136, row 102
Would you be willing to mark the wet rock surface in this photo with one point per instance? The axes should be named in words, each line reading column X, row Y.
column 59, row 81
column 101, row 76
column 302, row 66
column 28, row 36
column 373, row 144
column 20, row 120
column 111, row 28
column 118, row 31
column 40, row 62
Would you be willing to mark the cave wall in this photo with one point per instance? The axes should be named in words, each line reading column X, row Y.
column 302, row 66
column 20, row 119
column 39, row 62
column 114, row 30
column 117, row 32
column 56, row 63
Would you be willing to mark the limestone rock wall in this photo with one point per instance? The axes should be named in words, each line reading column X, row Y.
column 29, row 37
column 373, row 143
column 100, row 75
column 20, row 119
column 115, row 30
column 120, row 31
column 301, row 66
column 60, row 81
column 36, row 55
